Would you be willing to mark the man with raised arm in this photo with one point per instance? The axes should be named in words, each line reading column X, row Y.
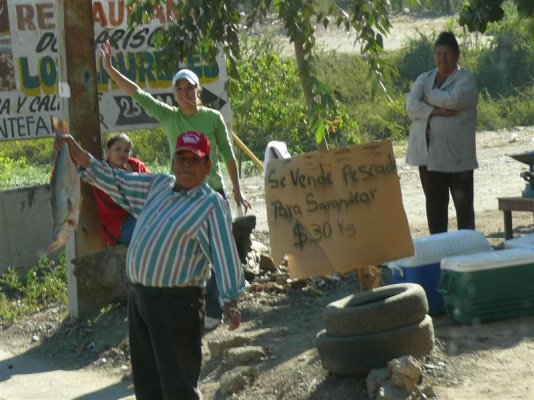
column 183, row 230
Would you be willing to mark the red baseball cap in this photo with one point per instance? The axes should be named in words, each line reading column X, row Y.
column 193, row 141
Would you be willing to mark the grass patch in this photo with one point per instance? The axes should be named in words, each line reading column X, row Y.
column 43, row 285
column 18, row 173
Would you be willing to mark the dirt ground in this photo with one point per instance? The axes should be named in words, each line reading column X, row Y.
column 404, row 27
column 489, row 361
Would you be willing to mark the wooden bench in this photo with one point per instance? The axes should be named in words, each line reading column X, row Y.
column 509, row 204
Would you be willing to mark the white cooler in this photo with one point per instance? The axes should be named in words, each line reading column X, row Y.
column 526, row 241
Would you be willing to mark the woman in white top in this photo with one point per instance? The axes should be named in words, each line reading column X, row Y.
column 442, row 107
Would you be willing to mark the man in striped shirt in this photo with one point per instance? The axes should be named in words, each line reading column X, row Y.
column 183, row 228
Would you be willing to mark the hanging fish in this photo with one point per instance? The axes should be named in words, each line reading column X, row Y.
column 65, row 195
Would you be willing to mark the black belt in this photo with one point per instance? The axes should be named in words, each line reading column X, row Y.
column 168, row 289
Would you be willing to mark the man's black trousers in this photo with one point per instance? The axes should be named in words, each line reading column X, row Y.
column 165, row 330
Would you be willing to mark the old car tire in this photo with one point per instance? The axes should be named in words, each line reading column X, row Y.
column 361, row 353
column 376, row 310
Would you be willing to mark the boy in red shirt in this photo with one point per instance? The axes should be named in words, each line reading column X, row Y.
column 116, row 225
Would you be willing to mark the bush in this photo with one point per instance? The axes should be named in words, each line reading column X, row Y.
column 267, row 101
column 364, row 117
column 43, row 285
column 37, row 151
column 149, row 145
column 505, row 112
column 507, row 64
column 416, row 57
column 268, row 104
column 17, row 172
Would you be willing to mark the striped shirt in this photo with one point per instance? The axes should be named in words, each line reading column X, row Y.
column 179, row 236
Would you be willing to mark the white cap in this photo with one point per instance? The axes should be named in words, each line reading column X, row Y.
column 191, row 77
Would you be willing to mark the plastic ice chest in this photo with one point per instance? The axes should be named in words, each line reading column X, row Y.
column 424, row 266
column 488, row 286
column 520, row 242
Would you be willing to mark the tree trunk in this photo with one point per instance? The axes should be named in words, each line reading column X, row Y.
column 367, row 275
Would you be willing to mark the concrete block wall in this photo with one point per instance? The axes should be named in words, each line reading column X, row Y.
column 25, row 226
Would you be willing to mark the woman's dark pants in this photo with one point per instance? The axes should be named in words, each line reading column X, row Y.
column 436, row 186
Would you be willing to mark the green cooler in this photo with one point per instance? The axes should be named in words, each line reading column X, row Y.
column 488, row 286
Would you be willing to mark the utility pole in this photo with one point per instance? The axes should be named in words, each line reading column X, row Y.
column 79, row 94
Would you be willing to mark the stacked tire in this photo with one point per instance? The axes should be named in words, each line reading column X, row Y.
column 364, row 331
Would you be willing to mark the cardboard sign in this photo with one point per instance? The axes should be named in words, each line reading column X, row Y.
column 337, row 210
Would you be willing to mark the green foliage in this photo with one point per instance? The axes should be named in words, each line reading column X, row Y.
column 415, row 57
column 477, row 14
column 383, row 119
column 267, row 101
column 370, row 23
column 35, row 151
column 268, row 104
column 507, row 64
column 18, row 172
column 489, row 115
column 504, row 112
column 25, row 162
column 362, row 116
column 8, row 166
column 43, row 285
column 206, row 26
column 525, row 8
column 248, row 168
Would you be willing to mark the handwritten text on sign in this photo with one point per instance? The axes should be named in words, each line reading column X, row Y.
column 336, row 210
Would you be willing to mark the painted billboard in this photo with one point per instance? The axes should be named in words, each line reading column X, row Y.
column 30, row 76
